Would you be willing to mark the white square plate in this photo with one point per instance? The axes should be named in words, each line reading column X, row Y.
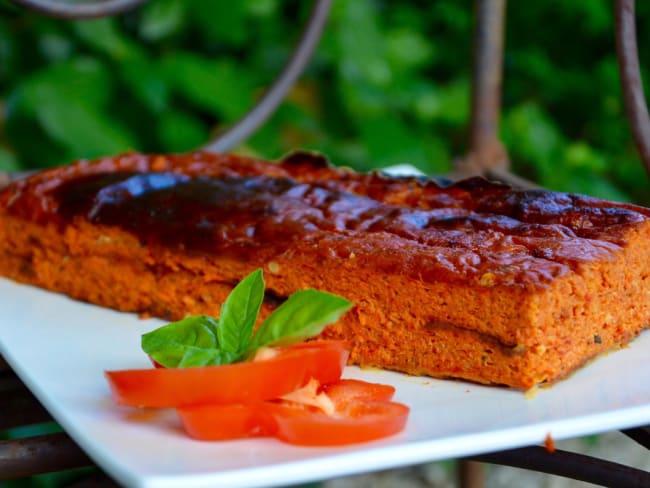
column 61, row 348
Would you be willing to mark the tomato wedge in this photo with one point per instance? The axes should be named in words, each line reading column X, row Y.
column 347, row 390
column 363, row 412
column 245, row 382
column 364, row 422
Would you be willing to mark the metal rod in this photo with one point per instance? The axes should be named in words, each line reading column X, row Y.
column 630, row 72
column 470, row 474
column 276, row 93
column 40, row 454
column 570, row 465
column 487, row 72
column 66, row 9
column 485, row 150
column 640, row 435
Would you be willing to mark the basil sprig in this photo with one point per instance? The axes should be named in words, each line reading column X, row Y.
column 202, row 341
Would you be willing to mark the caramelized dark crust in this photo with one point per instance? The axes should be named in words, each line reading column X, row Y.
column 472, row 280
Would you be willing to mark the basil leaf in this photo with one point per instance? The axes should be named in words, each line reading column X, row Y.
column 205, row 341
column 303, row 315
column 168, row 345
column 195, row 356
column 239, row 312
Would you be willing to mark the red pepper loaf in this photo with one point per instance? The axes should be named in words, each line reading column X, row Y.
column 473, row 280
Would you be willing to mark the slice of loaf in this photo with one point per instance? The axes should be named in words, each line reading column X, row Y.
column 473, row 280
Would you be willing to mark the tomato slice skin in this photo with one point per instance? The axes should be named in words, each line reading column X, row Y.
column 246, row 382
column 226, row 422
column 365, row 422
column 363, row 413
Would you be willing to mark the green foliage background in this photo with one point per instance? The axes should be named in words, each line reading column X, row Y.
column 388, row 84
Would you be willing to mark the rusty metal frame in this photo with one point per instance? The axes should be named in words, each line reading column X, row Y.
column 486, row 152
column 65, row 9
column 627, row 51
column 31, row 456
column 570, row 465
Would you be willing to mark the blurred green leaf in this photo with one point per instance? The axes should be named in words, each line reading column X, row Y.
column 146, row 81
column 80, row 78
column 581, row 156
column 406, row 48
column 592, row 184
column 360, row 44
column 33, row 144
column 105, row 36
column 162, row 19
column 389, row 141
column 179, row 131
column 55, row 47
column 86, row 131
column 219, row 87
column 594, row 17
column 425, row 103
column 261, row 8
column 7, row 50
column 222, row 21
column 529, row 133
column 68, row 103
column 454, row 103
column 8, row 160
column 438, row 156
